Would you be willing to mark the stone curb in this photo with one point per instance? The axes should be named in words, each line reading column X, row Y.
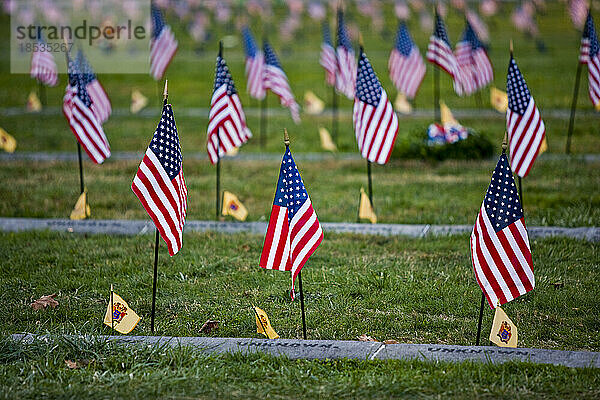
column 339, row 349
column 140, row 227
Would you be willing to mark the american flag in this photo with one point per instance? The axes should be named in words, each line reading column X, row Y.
column 499, row 242
column 439, row 51
column 591, row 57
column 294, row 231
column 82, row 121
column 406, row 65
column 276, row 80
column 227, row 127
column 475, row 67
column 524, row 124
column 159, row 182
column 578, row 10
column 43, row 66
column 346, row 76
column 328, row 58
column 375, row 122
column 100, row 102
column 255, row 66
column 163, row 45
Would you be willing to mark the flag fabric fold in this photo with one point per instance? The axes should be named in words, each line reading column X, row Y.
column 345, row 82
column 255, row 66
column 405, row 64
column 276, row 80
column 439, row 52
column 43, row 66
column 163, row 45
column 328, row 58
column 590, row 55
column 474, row 66
column 100, row 102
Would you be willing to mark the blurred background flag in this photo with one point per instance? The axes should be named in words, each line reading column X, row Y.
column 405, row 64
column 474, row 65
column 375, row 122
column 138, row 101
column 294, row 231
column 346, row 61
column 526, row 130
column 500, row 249
column 584, row 49
column 439, row 52
column 326, row 141
column 365, row 209
column 263, row 325
column 123, row 318
column 328, row 59
column 159, row 183
column 7, row 142
column 590, row 55
column 504, row 332
column 233, row 206
column 33, row 102
column 276, row 80
column 498, row 99
column 255, row 65
column 43, row 66
column 577, row 11
column 163, row 45
column 82, row 208
column 312, row 104
column 227, row 127
column 100, row 101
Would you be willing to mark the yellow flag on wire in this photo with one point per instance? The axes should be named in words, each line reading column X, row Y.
column 33, row 103
column 82, row 208
column 543, row 146
column 233, row 206
column 504, row 331
column 312, row 104
column 402, row 105
column 498, row 99
column 365, row 211
column 263, row 325
column 123, row 318
column 447, row 117
column 7, row 142
column 138, row 101
column 326, row 141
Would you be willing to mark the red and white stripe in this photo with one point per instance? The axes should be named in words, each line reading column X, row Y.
column 227, row 127
column 88, row 131
column 594, row 80
column 526, row 133
column 466, row 69
column 484, row 72
column 100, row 101
column 440, row 54
column 584, row 50
column 375, row 128
column 328, row 61
column 162, row 51
column 276, row 80
column 346, row 75
column 43, row 68
column 578, row 10
column 255, row 67
column 407, row 73
column 164, row 199
column 70, row 92
column 501, row 260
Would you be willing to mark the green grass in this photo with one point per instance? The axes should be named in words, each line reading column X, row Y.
column 39, row 371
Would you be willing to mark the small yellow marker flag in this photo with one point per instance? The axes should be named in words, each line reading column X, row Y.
column 33, row 103
column 326, row 142
column 82, row 208
column 124, row 319
column 233, row 206
column 263, row 325
column 543, row 146
column 402, row 105
column 499, row 99
column 7, row 142
column 138, row 101
column 312, row 104
column 504, row 331
column 447, row 117
column 365, row 211
column 232, row 152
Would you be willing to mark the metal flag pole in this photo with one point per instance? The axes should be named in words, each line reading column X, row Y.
column 218, row 183
column 334, row 98
column 260, row 321
column 436, row 79
column 286, row 141
column 573, row 108
column 42, row 91
column 370, row 183
column 156, row 245
column 112, row 310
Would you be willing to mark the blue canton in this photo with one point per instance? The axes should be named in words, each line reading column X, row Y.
column 165, row 143
column 590, row 33
column 326, row 34
column 72, row 71
column 270, row 57
column 158, row 22
column 291, row 192
column 368, row 88
column 223, row 77
column 342, row 35
column 404, row 43
column 82, row 92
column 440, row 30
column 85, row 68
column 249, row 43
column 516, row 89
column 501, row 200
column 470, row 36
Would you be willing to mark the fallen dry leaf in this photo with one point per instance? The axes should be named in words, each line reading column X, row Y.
column 44, row 302
column 209, row 326
column 365, row 338
column 390, row 341
column 78, row 364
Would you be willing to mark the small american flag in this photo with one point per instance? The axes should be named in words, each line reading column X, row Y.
column 255, row 66
column 43, row 66
column 578, row 10
column 475, row 67
column 159, row 182
column 591, row 57
column 82, row 120
column 375, row 122
column 294, row 231
column 439, row 51
column 100, row 102
column 406, row 65
column 227, row 127
column 328, row 58
column 346, row 77
column 584, row 50
column 276, row 80
column 163, row 45
column 500, row 249
column 524, row 124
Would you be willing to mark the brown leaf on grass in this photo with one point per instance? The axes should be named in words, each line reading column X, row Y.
column 209, row 326
column 365, row 338
column 78, row 364
column 390, row 341
column 246, row 248
column 44, row 302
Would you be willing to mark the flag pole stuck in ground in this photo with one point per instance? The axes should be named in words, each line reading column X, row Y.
column 218, row 177
column 112, row 309
column 573, row 108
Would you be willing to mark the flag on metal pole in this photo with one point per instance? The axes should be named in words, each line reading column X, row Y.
column 328, row 59
column 405, row 64
column 276, row 80
column 474, row 65
column 163, row 45
column 100, row 101
column 255, row 65
column 439, row 52
column 590, row 55
column 346, row 75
